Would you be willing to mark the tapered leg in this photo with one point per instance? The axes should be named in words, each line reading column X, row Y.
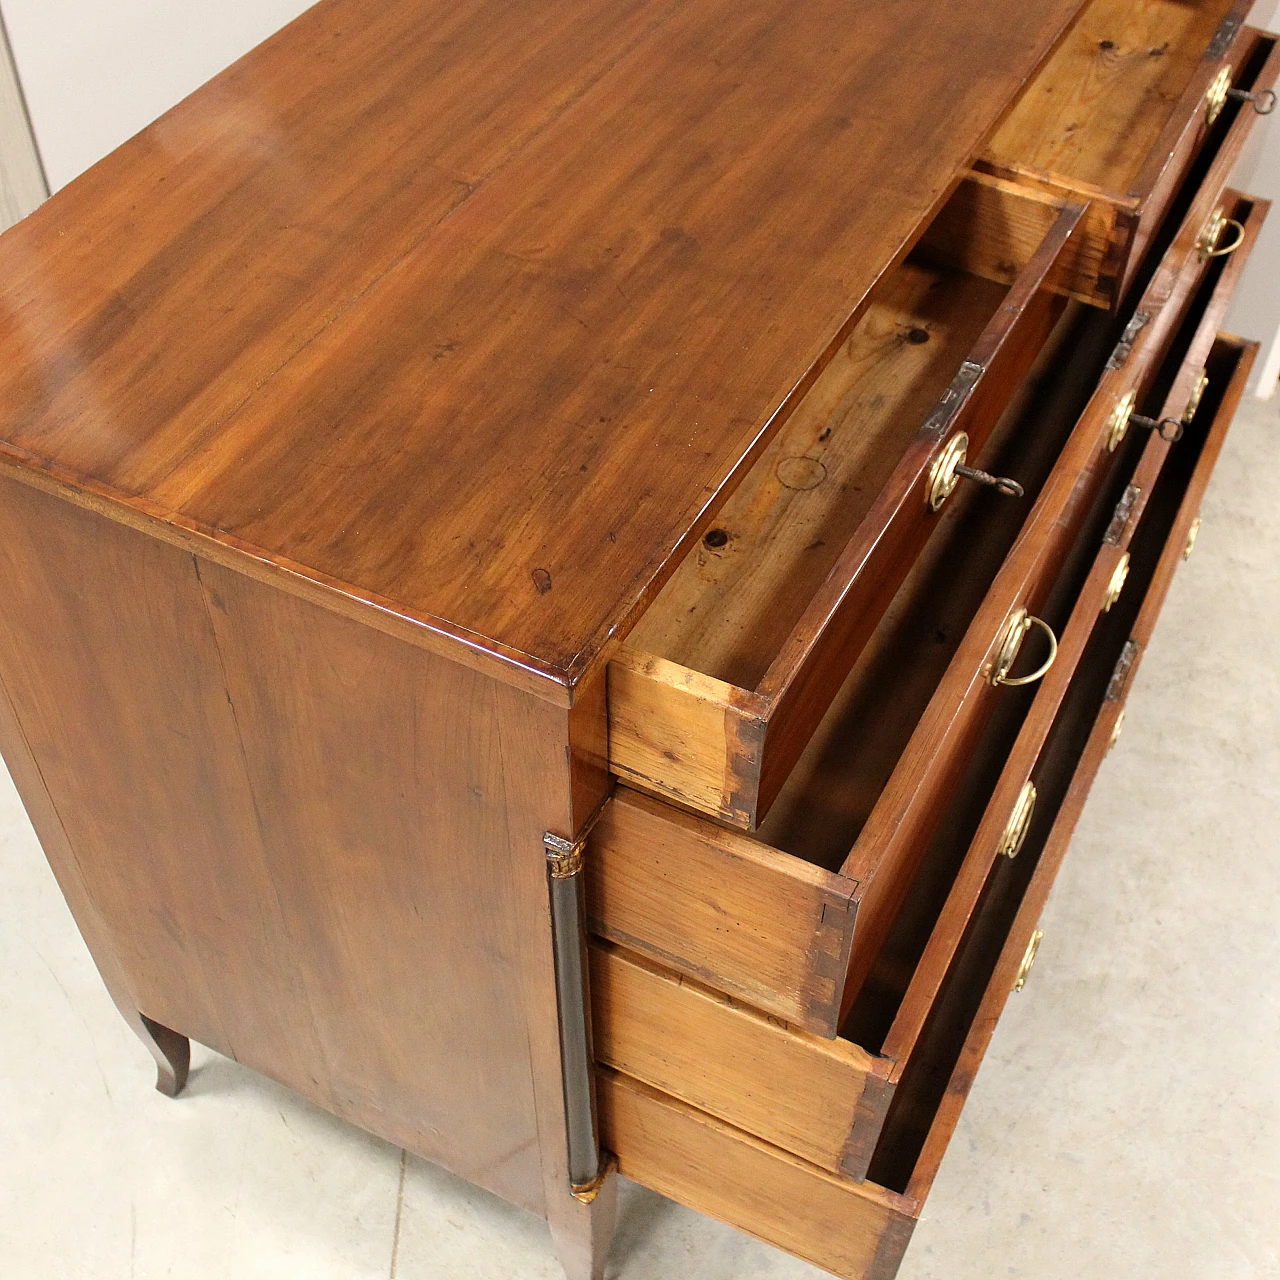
column 583, row 1232
column 171, row 1051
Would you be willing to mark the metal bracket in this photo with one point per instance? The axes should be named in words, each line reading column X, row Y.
column 958, row 390
column 577, row 1059
column 1124, row 348
column 1120, row 676
column 1124, row 509
column 1224, row 37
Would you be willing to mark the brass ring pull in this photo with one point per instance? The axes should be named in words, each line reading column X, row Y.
column 1193, row 532
column 1010, row 644
column 1197, row 394
column 1116, row 730
column 1257, row 99
column 1208, row 244
column 1118, row 578
column 1015, row 832
column 1028, row 959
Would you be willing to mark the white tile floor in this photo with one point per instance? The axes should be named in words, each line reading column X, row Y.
column 1126, row 1122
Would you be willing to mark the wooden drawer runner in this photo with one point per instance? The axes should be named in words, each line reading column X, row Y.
column 861, row 1230
column 791, row 922
column 1119, row 117
column 723, row 680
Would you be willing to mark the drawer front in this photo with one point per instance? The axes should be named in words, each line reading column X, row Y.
column 861, row 1230
column 1004, row 924
column 823, row 1100
column 722, row 682
column 765, row 927
column 926, row 778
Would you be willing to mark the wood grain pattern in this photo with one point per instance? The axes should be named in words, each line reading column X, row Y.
column 483, row 310
column 310, row 846
column 683, row 734
column 1096, row 110
column 728, row 609
column 859, row 1232
column 721, row 907
column 1117, row 116
column 992, row 226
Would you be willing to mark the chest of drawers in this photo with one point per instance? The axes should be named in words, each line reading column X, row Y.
column 568, row 568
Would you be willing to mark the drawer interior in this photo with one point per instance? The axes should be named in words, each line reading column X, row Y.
column 1119, row 117
column 787, row 587
column 728, row 609
column 1096, row 113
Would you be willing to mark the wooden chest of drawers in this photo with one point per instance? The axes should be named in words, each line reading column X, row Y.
column 569, row 568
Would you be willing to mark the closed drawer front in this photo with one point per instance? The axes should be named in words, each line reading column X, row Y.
column 1143, row 108
column 722, row 682
column 792, row 921
column 757, row 1181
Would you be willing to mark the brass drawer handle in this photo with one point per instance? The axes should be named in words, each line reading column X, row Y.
column 1202, row 385
column 949, row 467
column 1015, row 831
column 1123, row 416
column 1116, row 730
column 1010, row 643
column 1116, row 585
column 1193, row 532
column 1208, row 244
column 1029, row 959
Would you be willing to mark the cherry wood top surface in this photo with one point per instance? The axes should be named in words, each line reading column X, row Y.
column 474, row 311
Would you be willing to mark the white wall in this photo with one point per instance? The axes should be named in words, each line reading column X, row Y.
column 96, row 71
column 1255, row 312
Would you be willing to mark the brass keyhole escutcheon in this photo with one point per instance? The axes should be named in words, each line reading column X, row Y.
column 1028, row 959
column 943, row 476
column 1209, row 246
column 1009, row 644
column 949, row 469
column 1192, row 534
column 1015, row 832
column 1116, row 585
column 1118, row 423
column 1115, row 731
column 1202, row 385
column 1215, row 97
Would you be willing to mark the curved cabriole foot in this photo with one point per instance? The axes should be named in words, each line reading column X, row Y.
column 172, row 1053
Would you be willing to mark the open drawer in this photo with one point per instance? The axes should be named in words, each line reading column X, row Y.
column 1141, row 106
column 828, row 1101
column 792, row 922
column 861, row 1230
column 720, row 685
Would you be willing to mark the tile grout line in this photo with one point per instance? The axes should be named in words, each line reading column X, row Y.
column 395, row 1238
